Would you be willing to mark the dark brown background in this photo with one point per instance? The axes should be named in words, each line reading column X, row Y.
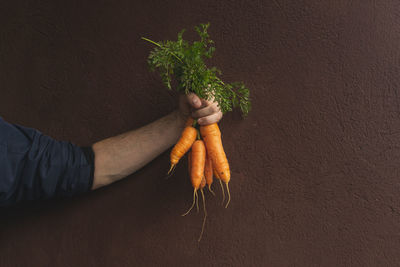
column 315, row 167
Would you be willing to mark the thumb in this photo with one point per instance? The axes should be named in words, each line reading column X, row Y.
column 194, row 100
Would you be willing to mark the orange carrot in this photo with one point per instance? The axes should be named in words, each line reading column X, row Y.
column 212, row 138
column 198, row 163
column 198, row 159
column 187, row 139
column 208, row 173
column 189, row 161
column 215, row 173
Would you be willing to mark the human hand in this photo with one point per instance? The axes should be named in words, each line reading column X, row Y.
column 206, row 112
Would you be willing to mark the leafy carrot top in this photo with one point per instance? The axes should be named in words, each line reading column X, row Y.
column 184, row 61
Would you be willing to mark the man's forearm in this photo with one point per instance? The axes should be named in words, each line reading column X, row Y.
column 117, row 157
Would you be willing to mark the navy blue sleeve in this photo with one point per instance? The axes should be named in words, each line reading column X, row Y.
column 35, row 166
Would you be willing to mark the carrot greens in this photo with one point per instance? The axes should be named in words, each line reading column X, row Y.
column 184, row 61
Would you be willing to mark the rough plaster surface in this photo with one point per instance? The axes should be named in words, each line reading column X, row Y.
column 315, row 167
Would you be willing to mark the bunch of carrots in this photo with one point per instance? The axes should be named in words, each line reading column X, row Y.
column 206, row 158
column 183, row 62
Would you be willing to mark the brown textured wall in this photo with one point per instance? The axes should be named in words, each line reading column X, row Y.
column 315, row 167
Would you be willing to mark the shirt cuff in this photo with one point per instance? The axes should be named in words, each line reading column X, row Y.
column 89, row 155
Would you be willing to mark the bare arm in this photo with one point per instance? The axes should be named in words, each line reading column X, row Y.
column 121, row 155
column 117, row 157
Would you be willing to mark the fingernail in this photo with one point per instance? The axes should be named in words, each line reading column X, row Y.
column 195, row 101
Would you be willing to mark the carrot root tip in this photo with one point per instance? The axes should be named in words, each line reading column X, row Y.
column 229, row 195
column 205, row 215
column 197, row 203
column 191, row 207
column 171, row 170
column 211, row 191
column 223, row 191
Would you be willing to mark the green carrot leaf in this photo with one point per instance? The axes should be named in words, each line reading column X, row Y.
column 183, row 61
